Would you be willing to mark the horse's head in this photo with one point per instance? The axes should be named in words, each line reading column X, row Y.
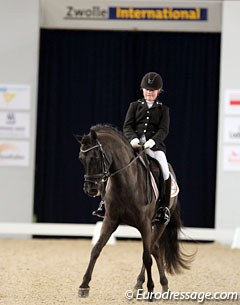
column 95, row 164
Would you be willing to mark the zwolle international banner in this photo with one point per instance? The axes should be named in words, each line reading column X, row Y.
column 199, row 16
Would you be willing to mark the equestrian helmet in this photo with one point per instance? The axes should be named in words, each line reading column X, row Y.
column 151, row 81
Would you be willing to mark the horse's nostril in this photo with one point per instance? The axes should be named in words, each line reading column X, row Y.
column 93, row 192
column 90, row 190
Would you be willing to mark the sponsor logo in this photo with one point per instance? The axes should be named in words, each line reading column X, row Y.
column 234, row 134
column 7, row 96
column 234, row 157
column 137, row 13
column 93, row 13
column 6, row 147
column 10, row 118
column 14, row 153
column 166, row 13
column 235, row 102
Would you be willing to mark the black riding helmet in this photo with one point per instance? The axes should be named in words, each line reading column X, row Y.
column 151, row 81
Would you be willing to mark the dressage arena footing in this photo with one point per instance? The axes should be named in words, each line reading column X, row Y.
column 18, row 230
column 48, row 271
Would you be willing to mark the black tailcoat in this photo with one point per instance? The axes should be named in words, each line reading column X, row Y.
column 152, row 122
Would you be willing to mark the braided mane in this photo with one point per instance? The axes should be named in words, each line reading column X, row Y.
column 105, row 128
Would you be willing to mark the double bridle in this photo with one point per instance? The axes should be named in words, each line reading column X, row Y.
column 103, row 177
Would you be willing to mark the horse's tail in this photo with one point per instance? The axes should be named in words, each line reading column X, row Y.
column 175, row 259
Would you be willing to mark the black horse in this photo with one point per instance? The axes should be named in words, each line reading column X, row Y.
column 113, row 171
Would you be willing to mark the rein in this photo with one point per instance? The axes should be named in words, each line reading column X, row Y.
column 126, row 166
column 106, row 174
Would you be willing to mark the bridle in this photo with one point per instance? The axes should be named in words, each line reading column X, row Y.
column 105, row 174
column 102, row 177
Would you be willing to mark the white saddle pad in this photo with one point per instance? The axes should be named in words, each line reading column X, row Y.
column 174, row 186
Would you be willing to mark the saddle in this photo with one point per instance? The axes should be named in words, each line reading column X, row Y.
column 154, row 172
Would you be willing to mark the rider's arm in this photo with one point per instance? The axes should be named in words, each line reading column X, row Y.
column 163, row 127
column 129, row 123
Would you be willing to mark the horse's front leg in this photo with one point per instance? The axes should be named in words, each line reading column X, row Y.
column 146, row 233
column 159, row 260
column 108, row 227
column 157, row 233
column 140, row 280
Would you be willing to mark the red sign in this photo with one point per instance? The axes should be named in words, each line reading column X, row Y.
column 235, row 103
column 232, row 102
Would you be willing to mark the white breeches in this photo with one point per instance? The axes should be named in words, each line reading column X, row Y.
column 162, row 160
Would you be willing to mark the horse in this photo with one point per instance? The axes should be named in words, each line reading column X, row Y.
column 113, row 171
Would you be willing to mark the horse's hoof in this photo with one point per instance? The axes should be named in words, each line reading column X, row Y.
column 165, row 288
column 83, row 292
column 151, row 298
column 136, row 291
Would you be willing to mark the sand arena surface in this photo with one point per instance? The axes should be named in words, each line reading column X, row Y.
column 49, row 271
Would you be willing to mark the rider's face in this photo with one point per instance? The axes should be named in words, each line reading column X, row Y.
column 150, row 95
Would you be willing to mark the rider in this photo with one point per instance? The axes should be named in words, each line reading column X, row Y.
column 147, row 123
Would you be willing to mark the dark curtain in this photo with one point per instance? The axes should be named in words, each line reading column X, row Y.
column 90, row 77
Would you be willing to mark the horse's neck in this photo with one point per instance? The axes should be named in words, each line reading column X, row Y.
column 121, row 156
column 127, row 167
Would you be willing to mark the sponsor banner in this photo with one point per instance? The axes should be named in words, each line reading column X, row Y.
column 191, row 16
column 231, row 158
column 14, row 97
column 159, row 13
column 232, row 102
column 232, row 130
column 14, row 124
column 14, row 153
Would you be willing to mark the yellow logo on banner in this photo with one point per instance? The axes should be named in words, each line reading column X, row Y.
column 8, row 96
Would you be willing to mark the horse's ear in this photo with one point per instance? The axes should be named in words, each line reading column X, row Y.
column 78, row 138
column 93, row 135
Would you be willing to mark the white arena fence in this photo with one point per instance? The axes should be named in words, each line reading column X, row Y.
column 16, row 230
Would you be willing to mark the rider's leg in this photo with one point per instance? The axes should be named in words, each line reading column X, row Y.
column 100, row 212
column 163, row 212
column 162, row 160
